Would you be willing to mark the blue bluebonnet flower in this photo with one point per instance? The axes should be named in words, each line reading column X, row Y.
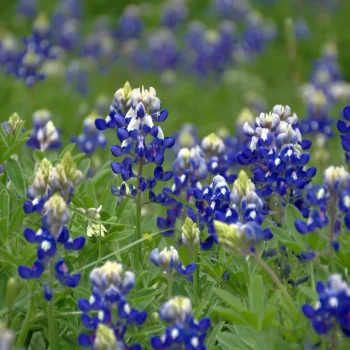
column 48, row 179
column 110, row 285
column 44, row 135
column 9, row 53
column 233, row 9
column 344, row 129
column 174, row 13
column 168, row 260
column 77, row 75
column 27, row 9
column 130, row 24
column 186, row 137
column 241, row 206
column 276, row 153
column 333, row 307
column 331, row 204
column 100, row 48
column 52, row 233
column 134, row 129
column 301, row 29
column 184, row 331
column 163, row 52
column 91, row 138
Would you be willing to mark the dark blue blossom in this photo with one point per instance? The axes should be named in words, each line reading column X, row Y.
column 332, row 310
column 184, row 331
column 110, row 288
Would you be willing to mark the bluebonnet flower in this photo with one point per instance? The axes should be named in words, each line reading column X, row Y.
column 52, row 233
column 276, row 153
column 233, row 9
column 48, row 179
column 163, row 51
column 174, row 13
column 111, row 285
column 331, row 204
column 241, row 206
column 168, row 260
column 184, row 331
column 186, row 137
column 44, row 135
column 9, row 53
column 77, row 75
column 332, row 310
column 344, row 129
column 27, row 9
column 91, row 138
column 100, row 47
column 301, row 29
column 133, row 130
column 130, row 23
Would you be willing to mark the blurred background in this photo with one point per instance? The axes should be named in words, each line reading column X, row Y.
column 207, row 59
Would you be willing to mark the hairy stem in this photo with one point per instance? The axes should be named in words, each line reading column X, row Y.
column 274, row 277
column 28, row 319
column 196, row 287
column 138, row 251
column 50, row 313
column 170, row 284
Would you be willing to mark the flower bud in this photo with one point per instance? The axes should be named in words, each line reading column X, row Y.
column 213, row 145
column 12, row 289
column 190, row 233
column 42, row 176
column 14, row 123
column 56, row 214
column 336, row 178
column 105, row 338
column 230, row 236
column 176, row 309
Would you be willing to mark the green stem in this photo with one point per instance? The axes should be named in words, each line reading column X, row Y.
column 196, row 279
column 312, row 276
column 29, row 316
column 274, row 277
column 50, row 314
column 170, row 284
column 334, row 338
column 99, row 247
column 138, row 251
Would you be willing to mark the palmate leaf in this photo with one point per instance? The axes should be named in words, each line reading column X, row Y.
column 15, row 174
column 4, row 214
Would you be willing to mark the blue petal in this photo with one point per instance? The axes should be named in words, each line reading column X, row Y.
column 84, row 340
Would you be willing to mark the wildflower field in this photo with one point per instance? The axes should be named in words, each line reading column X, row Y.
column 174, row 174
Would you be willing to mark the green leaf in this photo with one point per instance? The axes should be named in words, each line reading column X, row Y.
column 309, row 293
column 38, row 155
column 257, row 296
column 229, row 315
column 69, row 148
column 181, row 200
column 15, row 174
column 4, row 213
column 291, row 215
column 229, row 299
column 212, row 337
column 84, row 166
column 231, row 341
column 90, row 190
column 285, row 239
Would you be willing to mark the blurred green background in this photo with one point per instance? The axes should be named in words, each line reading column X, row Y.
column 209, row 104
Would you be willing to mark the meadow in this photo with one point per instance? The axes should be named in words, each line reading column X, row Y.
column 174, row 174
